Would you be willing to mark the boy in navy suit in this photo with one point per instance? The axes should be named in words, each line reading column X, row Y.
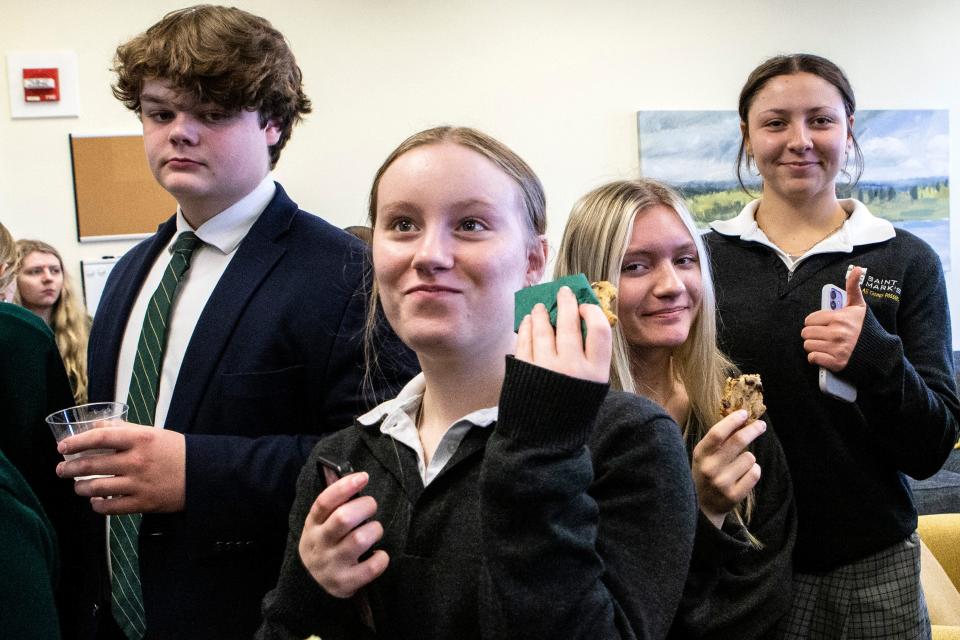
column 235, row 330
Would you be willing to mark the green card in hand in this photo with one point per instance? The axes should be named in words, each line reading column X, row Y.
column 525, row 299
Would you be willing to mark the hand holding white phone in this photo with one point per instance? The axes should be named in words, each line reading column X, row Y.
column 831, row 299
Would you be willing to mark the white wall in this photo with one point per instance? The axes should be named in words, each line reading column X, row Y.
column 558, row 81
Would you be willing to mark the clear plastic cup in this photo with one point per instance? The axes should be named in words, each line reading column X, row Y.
column 74, row 420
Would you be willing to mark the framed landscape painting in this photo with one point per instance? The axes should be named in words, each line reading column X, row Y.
column 905, row 178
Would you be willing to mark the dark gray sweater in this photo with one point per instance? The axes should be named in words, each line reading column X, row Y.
column 525, row 533
column 735, row 590
column 846, row 459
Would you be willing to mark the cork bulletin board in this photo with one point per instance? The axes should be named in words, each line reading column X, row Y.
column 115, row 193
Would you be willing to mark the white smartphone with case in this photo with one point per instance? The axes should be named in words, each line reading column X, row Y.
column 832, row 298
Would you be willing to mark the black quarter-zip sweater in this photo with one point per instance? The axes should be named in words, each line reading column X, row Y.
column 846, row 459
column 572, row 517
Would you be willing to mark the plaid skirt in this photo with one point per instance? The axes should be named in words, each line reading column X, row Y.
column 876, row 597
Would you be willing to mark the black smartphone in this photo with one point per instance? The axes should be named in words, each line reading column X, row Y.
column 332, row 471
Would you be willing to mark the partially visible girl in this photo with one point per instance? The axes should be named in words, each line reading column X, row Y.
column 8, row 264
column 39, row 557
column 639, row 235
column 44, row 288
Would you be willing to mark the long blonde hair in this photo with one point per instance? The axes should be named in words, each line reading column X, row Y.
column 68, row 320
column 8, row 259
column 594, row 243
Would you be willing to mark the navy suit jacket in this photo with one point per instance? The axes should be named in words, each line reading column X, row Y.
column 274, row 361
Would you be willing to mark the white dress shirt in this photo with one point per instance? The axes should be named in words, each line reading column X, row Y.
column 399, row 422
column 221, row 235
column 861, row 227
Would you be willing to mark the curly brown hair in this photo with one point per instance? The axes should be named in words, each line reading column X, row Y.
column 219, row 55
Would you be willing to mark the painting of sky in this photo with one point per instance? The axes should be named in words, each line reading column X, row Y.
column 905, row 178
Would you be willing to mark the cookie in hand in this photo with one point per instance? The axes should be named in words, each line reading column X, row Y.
column 606, row 293
column 743, row 392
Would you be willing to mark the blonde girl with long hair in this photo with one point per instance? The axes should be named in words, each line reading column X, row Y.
column 45, row 288
column 639, row 235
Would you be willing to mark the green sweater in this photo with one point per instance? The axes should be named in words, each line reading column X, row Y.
column 28, row 561
column 33, row 384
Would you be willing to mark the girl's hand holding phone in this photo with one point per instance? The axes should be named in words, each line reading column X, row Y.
column 563, row 350
column 829, row 337
column 338, row 530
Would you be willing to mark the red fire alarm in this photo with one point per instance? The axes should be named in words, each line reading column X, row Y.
column 41, row 85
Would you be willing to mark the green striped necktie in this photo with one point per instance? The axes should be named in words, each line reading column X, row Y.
column 142, row 403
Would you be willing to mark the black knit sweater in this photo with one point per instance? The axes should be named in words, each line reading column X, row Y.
column 736, row 590
column 525, row 533
column 846, row 459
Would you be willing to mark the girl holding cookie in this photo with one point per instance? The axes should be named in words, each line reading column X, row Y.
column 638, row 235
column 496, row 496
column 857, row 558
